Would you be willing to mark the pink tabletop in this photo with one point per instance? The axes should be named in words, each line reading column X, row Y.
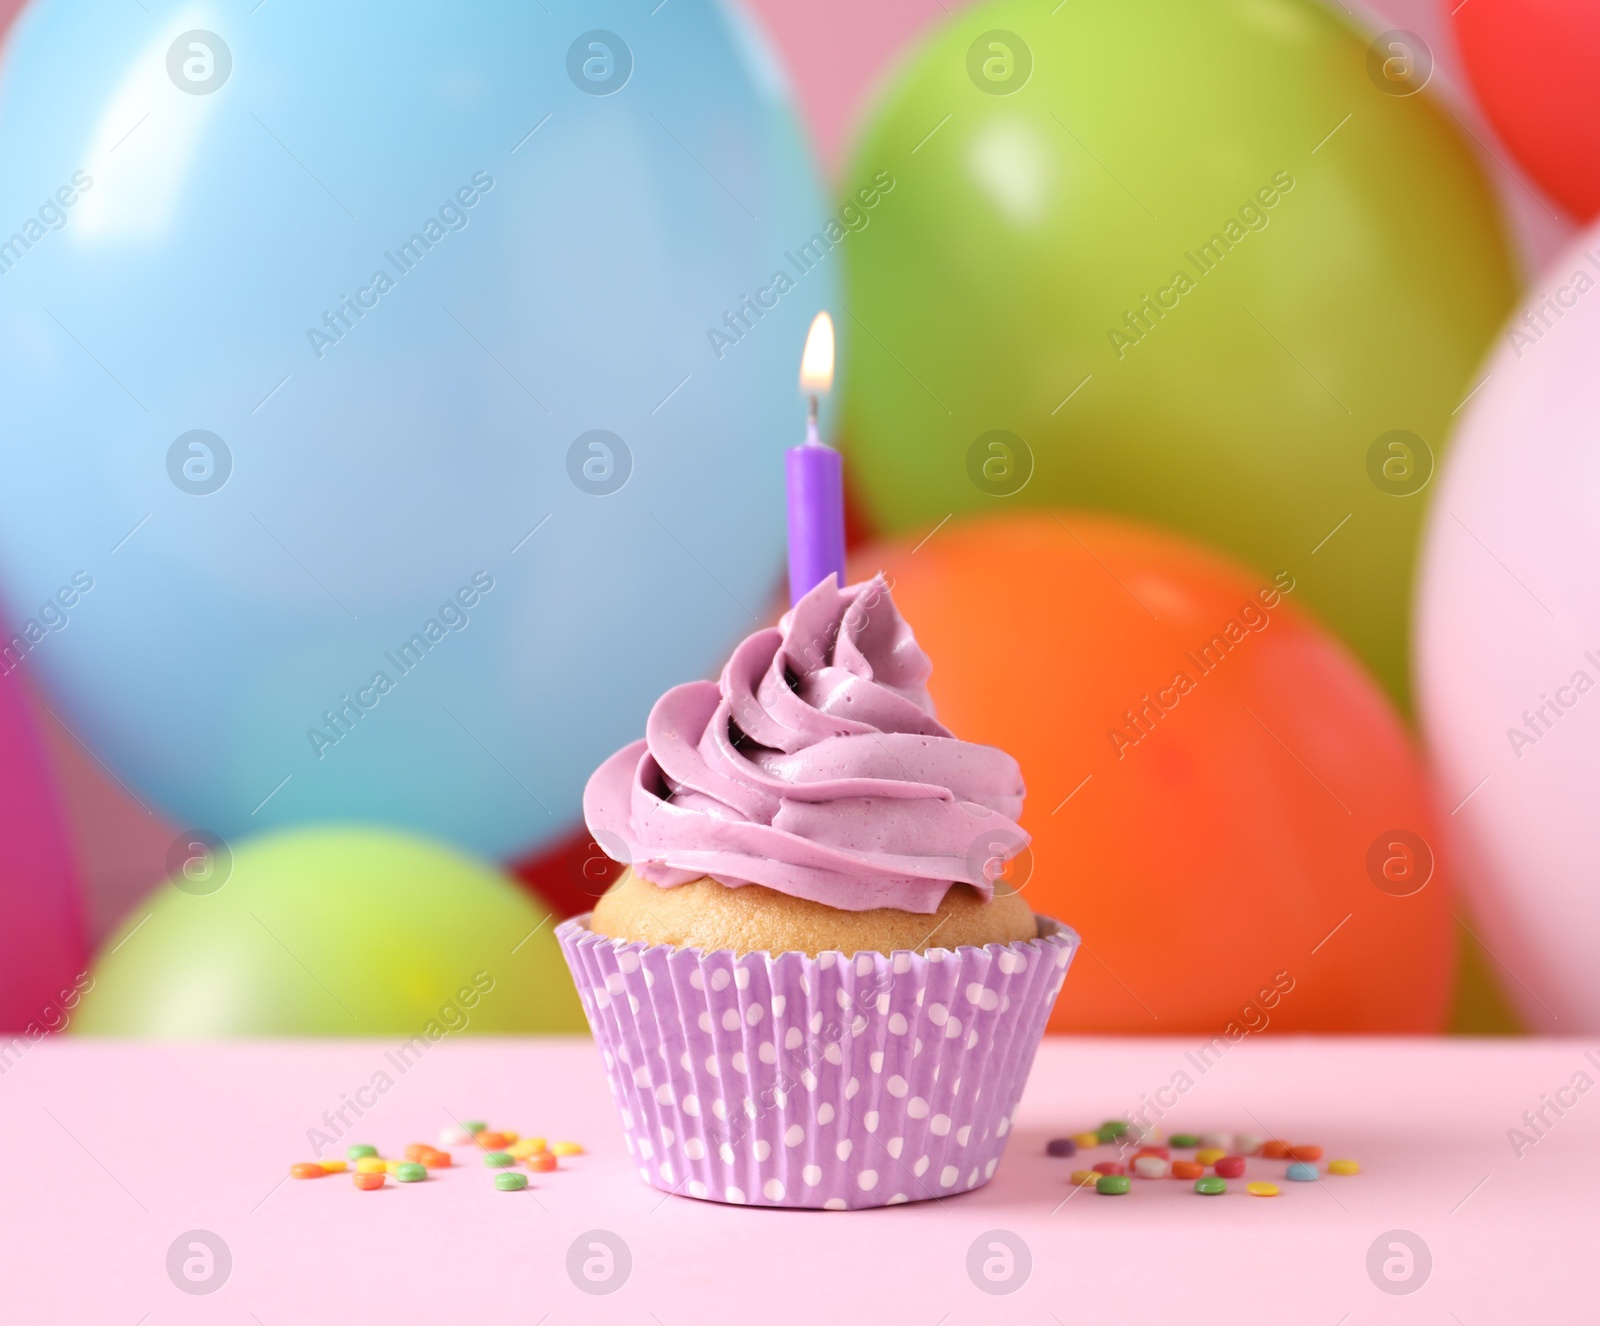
column 115, row 1150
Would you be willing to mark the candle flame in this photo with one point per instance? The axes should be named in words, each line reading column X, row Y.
column 816, row 363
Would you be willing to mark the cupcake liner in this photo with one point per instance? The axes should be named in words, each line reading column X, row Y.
column 838, row 1082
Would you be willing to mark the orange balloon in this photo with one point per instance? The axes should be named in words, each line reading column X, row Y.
column 1222, row 802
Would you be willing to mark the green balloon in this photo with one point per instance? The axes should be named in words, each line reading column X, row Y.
column 1212, row 263
column 331, row 932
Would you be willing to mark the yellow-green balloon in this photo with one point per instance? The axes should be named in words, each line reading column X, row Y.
column 331, row 932
column 1214, row 263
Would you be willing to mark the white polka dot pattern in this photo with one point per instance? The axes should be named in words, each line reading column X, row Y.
column 784, row 1080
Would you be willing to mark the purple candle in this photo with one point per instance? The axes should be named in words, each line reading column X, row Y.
column 815, row 473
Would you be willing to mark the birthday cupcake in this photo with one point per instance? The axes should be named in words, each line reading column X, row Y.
column 812, row 986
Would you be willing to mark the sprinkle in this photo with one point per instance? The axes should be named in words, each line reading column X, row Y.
column 1218, row 1140
column 1305, row 1153
column 453, row 1136
column 1187, row 1169
column 1184, row 1141
column 1209, row 1155
column 307, row 1170
column 1211, row 1186
column 541, row 1162
column 438, row 1160
column 1302, row 1171
column 1085, row 1178
column 410, row 1171
column 1246, row 1144
column 1344, row 1167
column 1110, row 1167
column 1116, row 1127
column 498, row 1159
column 1061, row 1146
column 1229, row 1167
column 1275, row 1150
column 1261, row 1189
column 368, row 1181
column 334, row 1166
column 1150, row 1167
column 573, row 1149
column 510, row 1181
column 372, row 1165
column 360, row 1151
column 474, row 1126
column 1086, row 1140
column 1112, row 1185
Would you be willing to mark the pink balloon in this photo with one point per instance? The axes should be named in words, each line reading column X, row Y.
column 43, row 948
column 1508, row 647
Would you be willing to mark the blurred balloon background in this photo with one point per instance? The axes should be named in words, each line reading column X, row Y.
column 374, row 442
column 1189, row 735
column 339, row 932
column 644, row 188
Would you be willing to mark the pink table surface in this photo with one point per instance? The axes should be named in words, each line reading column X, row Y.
column 115, row 1149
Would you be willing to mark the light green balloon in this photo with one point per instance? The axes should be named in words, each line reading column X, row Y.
column 332, row 932
column 1052, row 167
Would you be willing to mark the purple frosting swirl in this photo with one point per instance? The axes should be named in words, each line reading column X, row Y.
column 814, row 767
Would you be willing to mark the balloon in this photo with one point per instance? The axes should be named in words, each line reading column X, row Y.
column 43, row 947
column 1188, row 261
column 1222, row 802
column 1533, row 65
column 570, row 875
column 331, row 931
column 1508, row 648
column 368, row 388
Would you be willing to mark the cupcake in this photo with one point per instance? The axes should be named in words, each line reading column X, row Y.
column 812, row 986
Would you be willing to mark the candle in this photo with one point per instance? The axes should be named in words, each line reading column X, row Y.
column 815, row 473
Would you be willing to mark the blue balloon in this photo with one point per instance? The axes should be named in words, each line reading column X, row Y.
column 393, row 404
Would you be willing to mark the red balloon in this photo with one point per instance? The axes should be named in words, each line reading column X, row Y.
column 1534, row 65
column 569, row 876
column 43, row 945
column 1222, row 801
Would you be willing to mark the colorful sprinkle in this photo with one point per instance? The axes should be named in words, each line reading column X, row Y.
column 1209, row 1155
column 1305, row 1153
column 360, row 1151
column 1218, row 1140
column 1211, row 1186
column 438, row 1160
column 474, row 1126
column 1151, row 1167
column 498, row 1159
column 510, row 1181
column 1246, row 1144
column 1085, row 1178
column 1116, row 1127
column 1184, row 1141
column 1275, row 1150
column 1229, row 1167
column 541, row 1162
column 1187, row 1169
column 333, row 1166
column 1061, row 1146
column 1344, row 1167
column 1112, row 1185
column 410, row 1171
column 1261, row 1189
column 417, row 1151
column 307, row 1170
column 1111, row 1167
column 453, row 1136
column 1086, row 1140
column 372, row 1165
column 1104, row 1136
column 1301, row 1171
column 367, row 1181
column 573, row 1149
column 494, row 1141
column 1160, row 1151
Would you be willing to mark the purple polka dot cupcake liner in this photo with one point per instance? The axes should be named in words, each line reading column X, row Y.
column 835, row 1082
